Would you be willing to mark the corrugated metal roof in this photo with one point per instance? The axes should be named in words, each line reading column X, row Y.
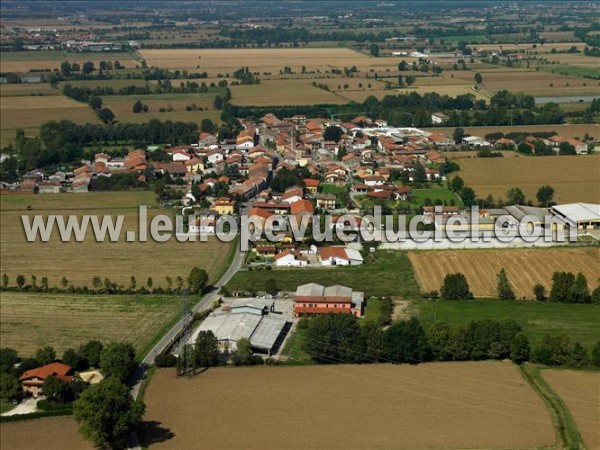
column 266, row 333
column 310, row 290
column 338, row 291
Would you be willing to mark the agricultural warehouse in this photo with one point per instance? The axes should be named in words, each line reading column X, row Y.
column 313, row 298
column 584, row 216
column 246, row 319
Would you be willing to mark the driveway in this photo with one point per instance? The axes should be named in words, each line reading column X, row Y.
column 27, row 407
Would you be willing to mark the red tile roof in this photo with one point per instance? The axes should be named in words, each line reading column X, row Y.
column 57, row 369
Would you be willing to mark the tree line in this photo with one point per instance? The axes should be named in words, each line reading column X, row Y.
column 196, row 283
column 340, row 338
column 566, row 288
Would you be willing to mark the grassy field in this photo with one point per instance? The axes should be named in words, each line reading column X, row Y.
column 27, row 111
column 524, row 267
column 532, row 82
column 224, row 61
column 27, row 89
column 385, row 273
column 574, row 178
column 51, row 432
column 579, row 322
column 25, row 61
column 566, row 130
column 30, row 321
column 123, row 104
column 81, row 261
column 461, row 405
column 283, row 92
column 581, row 393
column 419, row 196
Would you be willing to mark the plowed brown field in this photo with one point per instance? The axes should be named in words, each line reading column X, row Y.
column 434, row 406
column 581, row 393
column 42, row 434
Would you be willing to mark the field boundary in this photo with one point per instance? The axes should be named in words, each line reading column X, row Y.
column 566, row 428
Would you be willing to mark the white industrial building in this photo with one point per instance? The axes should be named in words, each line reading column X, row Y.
column 246, row 318
column 583, row 216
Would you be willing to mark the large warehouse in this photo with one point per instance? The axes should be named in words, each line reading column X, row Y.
column 584, row 216
column 246, row 319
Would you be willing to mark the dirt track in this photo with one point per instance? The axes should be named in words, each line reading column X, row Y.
column 434, row 406
column 581, row 393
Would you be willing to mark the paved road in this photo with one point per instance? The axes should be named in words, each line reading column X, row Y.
column 164, row 342
column 204, row 303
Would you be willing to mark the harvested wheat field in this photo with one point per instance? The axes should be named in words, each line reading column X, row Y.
column 283, row 92
column 29, row 321
column 575, row 178
column 433, row 406
column 80, row 262
column 42, row 434
column 223, row 61
column 524, row 267
column 581, row 392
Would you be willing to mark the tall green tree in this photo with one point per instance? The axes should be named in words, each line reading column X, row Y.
column 117, row 360
column 504, row 288
column 545, row 195
column 206, row 350
column 197, row 280
column 107, row 414
column 515, row 196
column 455, row 287
column 45, row 355
column 520, row 351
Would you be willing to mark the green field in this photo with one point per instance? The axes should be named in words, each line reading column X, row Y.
column 329, row 188
column 573, row 71
column 385, row 273
column 579, row 322
column 444, row 195
column 374, row 311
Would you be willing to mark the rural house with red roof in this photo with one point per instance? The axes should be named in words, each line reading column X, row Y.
column 33, row 380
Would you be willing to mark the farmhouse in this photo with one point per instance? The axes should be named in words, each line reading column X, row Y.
column 33, row 380
column 438, row 118
column 340, row 256
column 289, row 259
column 313, row 298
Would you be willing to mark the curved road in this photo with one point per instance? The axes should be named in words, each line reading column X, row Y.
column 159, row 347
column 204, row 303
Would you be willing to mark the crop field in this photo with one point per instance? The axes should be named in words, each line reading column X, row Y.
column 224, row 61
column 429, row 406
column 26, row 61
column 565, row 130
column 25, row 89
column 579, row 322
column 391, row 269
column 524, row 267
column 115, row 83
column 283, row 92
column 581, row 393
column 80, row 262
column 50, row 432
column 175, row 116
column 533, row 83
column 32, row 111
column 32, row 320
column 574, row 178
column 123, row 104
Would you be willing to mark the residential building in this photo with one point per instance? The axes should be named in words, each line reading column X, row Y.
column 33, row 380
